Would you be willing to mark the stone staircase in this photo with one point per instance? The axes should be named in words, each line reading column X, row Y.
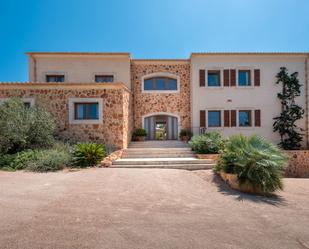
column 161, row 154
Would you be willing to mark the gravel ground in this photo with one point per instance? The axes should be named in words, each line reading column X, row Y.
column 147, row 208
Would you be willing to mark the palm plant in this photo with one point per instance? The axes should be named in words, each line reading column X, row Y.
column 255, row 161
column 87, row 154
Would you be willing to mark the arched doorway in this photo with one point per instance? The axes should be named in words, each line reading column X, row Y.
column 161, row 127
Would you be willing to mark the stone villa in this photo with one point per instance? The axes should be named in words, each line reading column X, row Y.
column 105, row 96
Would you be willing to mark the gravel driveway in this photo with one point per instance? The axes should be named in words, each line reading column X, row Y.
column 146, row 208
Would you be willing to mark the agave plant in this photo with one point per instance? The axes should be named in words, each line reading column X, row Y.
column 254, row 160
column 87, row 154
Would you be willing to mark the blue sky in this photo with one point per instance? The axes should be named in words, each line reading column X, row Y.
column 148, row 29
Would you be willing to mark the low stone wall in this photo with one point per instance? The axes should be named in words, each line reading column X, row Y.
column 208, row 156
column 298, row 163
column 108, row 161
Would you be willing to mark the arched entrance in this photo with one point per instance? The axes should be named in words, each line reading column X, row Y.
column 161, row 127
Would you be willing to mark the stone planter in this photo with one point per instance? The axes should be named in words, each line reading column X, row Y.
column 140, row 138
column 298, row 163
column 185, row 139
column 232, row 181
column 208, row 156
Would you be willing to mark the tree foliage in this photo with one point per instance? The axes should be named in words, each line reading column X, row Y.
column 24, row 127
column 285, row 124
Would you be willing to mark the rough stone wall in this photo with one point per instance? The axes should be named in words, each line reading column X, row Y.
column 128, row 118
column 176, row 103
column 113, row 131
column 298, row 163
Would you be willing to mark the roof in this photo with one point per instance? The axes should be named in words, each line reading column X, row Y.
column 126, row 54
column 62, row 85
column 79, row 53
column 250, row 53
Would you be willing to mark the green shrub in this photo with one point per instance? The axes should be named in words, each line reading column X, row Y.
column 208, row 143
column 254, row 160
column 62, row 146
column 88, row 154
column 185, row 133
column 49, row 160
column 21, row 159
column 139, row 133
column 23, row 127
column 38, row 160
column 5, row 161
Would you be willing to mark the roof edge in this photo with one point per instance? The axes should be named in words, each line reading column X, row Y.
column 65, row 85
column 249, row 53
column 79, row 53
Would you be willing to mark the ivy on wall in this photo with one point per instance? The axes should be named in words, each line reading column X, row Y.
column 285, row 123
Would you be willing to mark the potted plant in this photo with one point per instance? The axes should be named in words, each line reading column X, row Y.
column 252, row 165
column 207, row 146
column 139, row 134
column 185, row 135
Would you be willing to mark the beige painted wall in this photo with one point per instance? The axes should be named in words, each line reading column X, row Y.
column 262, row 97
column 80, row 68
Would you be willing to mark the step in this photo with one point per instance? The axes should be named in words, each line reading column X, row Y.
column 161, row 161
column 153, row 151
column 155, row 146
column 187, row 166
column 157, row 155
column 158, row 144
column 162, row 151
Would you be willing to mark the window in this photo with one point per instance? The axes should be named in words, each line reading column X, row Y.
column 213, row 77
column 27, row 104
column 160, row 84
column 54, row 78
column 244, row 118
column 104, row 78
column 214, row 118
column 86, row 111
column 244, row 78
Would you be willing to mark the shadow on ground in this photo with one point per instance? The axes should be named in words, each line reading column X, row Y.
column 223, row 188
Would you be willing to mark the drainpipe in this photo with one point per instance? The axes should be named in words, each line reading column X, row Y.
column 307, row 101
column 34, row 68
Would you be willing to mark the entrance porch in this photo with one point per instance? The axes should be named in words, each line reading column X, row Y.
column 161, row 127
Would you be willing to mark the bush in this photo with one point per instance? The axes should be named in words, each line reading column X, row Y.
column 208, row 143
column 38, row 160
column 23, row 127
column 21, row 159
column 5, row 161
column 49, row 160
column 139, row 133
column 88, row 154
column 254, row 160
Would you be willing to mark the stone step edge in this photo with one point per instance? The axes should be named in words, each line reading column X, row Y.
column 170, row 166
column 154, row 156
column 159, row 162
column 157, row 150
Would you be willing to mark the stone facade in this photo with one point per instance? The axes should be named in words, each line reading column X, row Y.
column 298, row 163
column 172, row 103
column 115, row 129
